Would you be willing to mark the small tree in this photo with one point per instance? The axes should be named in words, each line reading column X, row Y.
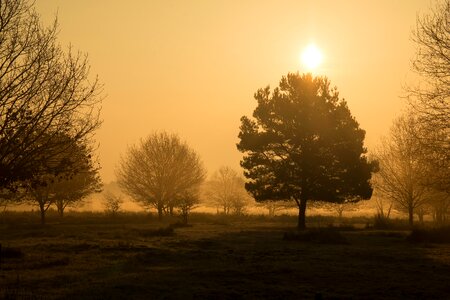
column 159, row 169
column 304, row 145
column 401, row 174
column 68, row 187
column 275, row 206
column 73, row 190
column 226, row 189
column 338, row 208
column 112, row 203
column 187, row 201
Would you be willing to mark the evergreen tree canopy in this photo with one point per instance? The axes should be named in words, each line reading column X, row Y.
column 303, row 144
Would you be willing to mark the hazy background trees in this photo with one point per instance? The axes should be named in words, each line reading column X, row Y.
column 402, row 167
column 303, row 144
column 159, row 170
column 45, row 92
column 226, row 191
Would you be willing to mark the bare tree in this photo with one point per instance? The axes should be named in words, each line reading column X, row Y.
column 383, row 205
column 44, row 92
column 112, row 203
column 402, row 167
column 226, row 189
column 158, row 170
column 338, row 208
column 186, row 201
column 431, row 98
column 432, row 63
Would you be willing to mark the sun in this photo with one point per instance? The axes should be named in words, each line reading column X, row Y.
column 311, row 57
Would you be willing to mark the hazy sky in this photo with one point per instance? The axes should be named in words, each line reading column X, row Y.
column 192, row 67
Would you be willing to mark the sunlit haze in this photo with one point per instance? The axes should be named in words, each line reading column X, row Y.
column 311, row 57
column 192, row 67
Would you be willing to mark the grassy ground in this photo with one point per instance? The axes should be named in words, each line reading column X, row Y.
column 93, row 257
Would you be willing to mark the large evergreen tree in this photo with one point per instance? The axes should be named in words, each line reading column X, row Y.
column 303, row 144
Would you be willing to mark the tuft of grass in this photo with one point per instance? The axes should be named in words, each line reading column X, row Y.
column 317, row 235
column 430, row 235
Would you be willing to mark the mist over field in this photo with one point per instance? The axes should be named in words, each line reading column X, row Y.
column 215, row 150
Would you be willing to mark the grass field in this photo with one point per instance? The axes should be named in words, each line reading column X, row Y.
column 136, row 257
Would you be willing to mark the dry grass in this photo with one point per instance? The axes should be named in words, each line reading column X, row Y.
column 216, row 258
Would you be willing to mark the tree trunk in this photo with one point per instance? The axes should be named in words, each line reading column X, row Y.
column 411, row 216
column 60, row 207
column 420, row 218
column 42, row 211
column 160, row 212
column 185, row 215
column 302, row 215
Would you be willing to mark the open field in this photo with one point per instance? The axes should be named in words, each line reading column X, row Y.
column 137, row 257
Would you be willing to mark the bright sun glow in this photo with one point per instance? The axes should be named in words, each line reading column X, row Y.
column 311, row 57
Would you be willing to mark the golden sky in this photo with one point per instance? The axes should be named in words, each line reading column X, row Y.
column 192, row 67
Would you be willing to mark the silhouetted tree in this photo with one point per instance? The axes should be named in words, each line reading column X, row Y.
column 74, row 189
column 432, row 63
column 68, row 187
column 430, row 99
column 45, row 92
column 226, row 189
column 158, row 170
column 402, row 167
column 303, row 144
